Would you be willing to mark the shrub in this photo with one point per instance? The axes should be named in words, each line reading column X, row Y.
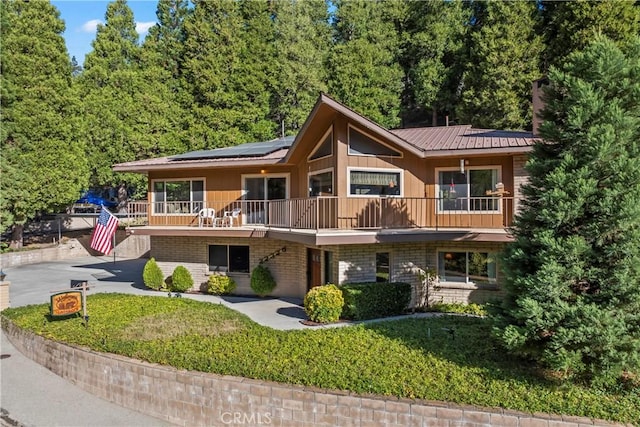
column 219, row 284
column 371, row 300
column 152, row 275
column 323, row 304
column 181, row 279
column 262, row 282
column 474, row 309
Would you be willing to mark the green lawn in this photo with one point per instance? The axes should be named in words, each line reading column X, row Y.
column 413, row 358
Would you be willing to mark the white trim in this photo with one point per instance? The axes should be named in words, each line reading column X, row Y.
column 320, row 172
column 387, row 170
column 468, row 283
column 466, row 173
column 190, row 180
column 319, row 143
column 352, row 153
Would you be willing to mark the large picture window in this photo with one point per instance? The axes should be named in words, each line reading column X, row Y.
column 467, row 267
column 234, row 259
column 468, row 191
column 178, row 196
column 375, row 183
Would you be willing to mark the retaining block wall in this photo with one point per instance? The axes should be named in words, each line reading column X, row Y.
column 198, row 399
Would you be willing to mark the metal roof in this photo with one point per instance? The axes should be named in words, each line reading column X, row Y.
column 463, row 137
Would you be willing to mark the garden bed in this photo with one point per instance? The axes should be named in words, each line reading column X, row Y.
column 411, row 358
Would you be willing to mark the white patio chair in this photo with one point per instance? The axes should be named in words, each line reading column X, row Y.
column 206, row 215
column 229, row 218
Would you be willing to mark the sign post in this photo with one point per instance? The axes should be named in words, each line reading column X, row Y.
column 65, row 302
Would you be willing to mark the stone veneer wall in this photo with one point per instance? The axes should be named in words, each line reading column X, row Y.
column 288, row 268
column 199, row 399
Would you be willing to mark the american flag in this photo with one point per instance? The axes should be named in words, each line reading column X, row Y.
column 101, row 240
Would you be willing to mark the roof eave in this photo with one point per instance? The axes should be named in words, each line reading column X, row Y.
column 477, row 151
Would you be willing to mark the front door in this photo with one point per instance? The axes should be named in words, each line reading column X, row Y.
column 314, row 268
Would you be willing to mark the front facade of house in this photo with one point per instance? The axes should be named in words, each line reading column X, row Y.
column 344, row 201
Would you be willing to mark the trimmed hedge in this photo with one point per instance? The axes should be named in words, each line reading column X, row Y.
column 152, row 275
column 219, row 284
column 181, row 280
column 262, row 282
column 372, row 300
column 323, row 304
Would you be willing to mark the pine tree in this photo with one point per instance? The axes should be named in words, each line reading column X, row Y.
column 573, row 272
column 228, row 63
column 115, row 99
column 302, row 41
column 433, row 57
column 364, row 72
column 571, row 25
column 163, row 100
column 503, row 60
column 43, row 165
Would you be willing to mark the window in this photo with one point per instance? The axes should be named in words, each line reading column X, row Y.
column 467, row 191
column 363, row 145
column 321, row 184
column 374, row 183
column 324, row 148
column 467, row 267
column 382, row 267
column 179, row 196
column 234, row 259
column 328, row 267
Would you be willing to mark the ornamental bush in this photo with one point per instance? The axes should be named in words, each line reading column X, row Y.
column 372, row 300
column 152, row 275
column 181, row 280
column 323, row 304
column 262, row 282
column 219, row 284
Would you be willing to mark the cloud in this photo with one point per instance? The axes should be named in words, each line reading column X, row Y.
column 143, row 27
column 90, row 26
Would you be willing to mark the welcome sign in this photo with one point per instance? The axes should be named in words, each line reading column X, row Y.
column 66, row 303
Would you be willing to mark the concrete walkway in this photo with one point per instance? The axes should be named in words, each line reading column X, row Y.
column 33, row 396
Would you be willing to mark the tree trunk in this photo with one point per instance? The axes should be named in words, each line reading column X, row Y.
column 434, row 117
column 16, row 236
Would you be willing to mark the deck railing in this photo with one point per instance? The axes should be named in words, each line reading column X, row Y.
column 346, row 213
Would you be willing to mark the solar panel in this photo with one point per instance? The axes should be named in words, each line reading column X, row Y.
column 251, row 149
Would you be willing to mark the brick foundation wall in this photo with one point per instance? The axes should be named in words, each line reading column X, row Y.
column 288, row 268
column 198, row 399
column 357, row 263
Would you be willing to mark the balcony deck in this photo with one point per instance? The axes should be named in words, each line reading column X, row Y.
column 334, row 220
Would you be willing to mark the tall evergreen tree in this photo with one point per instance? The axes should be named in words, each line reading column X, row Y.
column 163, row 100
column 573, row 272
column 572, row 25
column 433, row 57
column 364, row 70
column 503, row 60
column 42, row 165
column 118, row 104
column 228, row 61
column 302, row 42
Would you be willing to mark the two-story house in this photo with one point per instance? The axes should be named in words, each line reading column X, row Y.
column 345, row 200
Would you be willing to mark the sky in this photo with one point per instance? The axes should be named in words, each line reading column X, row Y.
column 81, row 18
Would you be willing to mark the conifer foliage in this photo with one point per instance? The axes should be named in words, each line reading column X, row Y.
column 573, row 272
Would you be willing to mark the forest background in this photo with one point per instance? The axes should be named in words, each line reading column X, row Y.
column 218, row 73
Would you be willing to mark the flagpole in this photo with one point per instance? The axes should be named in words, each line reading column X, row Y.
column 114, row 246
